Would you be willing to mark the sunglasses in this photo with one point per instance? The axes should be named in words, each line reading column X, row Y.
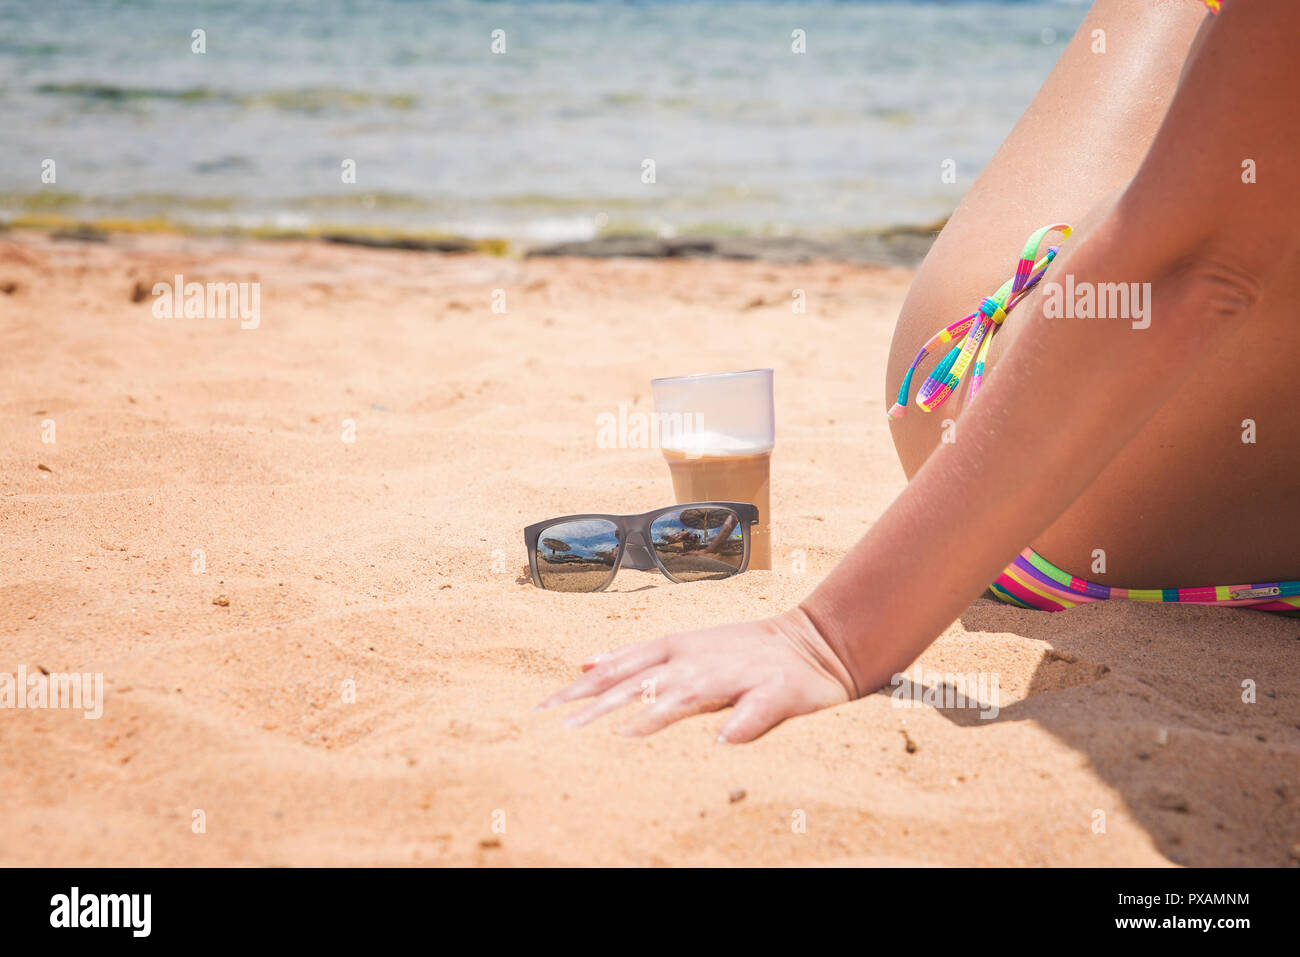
column 688, row 543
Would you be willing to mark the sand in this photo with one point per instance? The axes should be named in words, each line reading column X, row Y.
column 322, row 652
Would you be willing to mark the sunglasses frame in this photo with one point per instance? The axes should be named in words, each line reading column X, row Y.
column 643, row 556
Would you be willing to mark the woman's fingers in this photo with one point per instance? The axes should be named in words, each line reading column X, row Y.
column 618, row 654
column 639, row 685
column 673, row 706
column 757, row 712
column 610, row 670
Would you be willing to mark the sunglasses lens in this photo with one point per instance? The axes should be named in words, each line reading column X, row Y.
column 577, row 556
column 699, row 543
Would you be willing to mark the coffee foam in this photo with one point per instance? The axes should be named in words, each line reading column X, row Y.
column 714, row 443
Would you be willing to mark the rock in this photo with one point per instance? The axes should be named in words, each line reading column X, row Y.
column 80, row 234
column 222, row 601
column 903, row 246
column 737, row 794
column 447, row 245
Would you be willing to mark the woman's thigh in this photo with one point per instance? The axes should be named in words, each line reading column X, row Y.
column 1081, row 139
column 1205, row 493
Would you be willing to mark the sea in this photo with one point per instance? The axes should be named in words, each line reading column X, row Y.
column 534, row 122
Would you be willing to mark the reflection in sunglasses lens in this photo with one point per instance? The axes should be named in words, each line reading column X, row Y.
column 699, row 543
column 577, row 556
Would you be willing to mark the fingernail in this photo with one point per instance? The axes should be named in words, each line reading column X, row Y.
column 722, row 739
column 593, row 660
column 571, row 721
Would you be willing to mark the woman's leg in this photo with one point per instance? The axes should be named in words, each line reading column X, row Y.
column 1081, row 139
column 1188, row 502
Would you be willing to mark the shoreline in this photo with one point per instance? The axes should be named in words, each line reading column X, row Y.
column 902, row 246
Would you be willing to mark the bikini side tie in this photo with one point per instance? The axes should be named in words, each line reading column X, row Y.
column 978, row 330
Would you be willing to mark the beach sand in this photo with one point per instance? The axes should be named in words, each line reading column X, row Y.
column 200, row 532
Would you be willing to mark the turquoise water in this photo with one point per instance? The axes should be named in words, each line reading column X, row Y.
column 544, row 142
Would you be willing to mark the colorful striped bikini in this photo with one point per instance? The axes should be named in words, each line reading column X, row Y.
column 1031, row 581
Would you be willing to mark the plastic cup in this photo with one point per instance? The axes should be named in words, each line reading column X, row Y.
column 717, row 431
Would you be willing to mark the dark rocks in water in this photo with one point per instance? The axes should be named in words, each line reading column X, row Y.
column 441, row 245
column 80, row 234
column 642, row 247
column 904, row 246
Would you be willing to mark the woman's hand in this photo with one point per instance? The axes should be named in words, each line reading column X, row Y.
column 770, row 670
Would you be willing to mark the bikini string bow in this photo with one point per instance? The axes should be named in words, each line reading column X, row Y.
column 977, row 330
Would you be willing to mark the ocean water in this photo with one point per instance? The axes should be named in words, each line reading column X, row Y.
column 545, row 141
